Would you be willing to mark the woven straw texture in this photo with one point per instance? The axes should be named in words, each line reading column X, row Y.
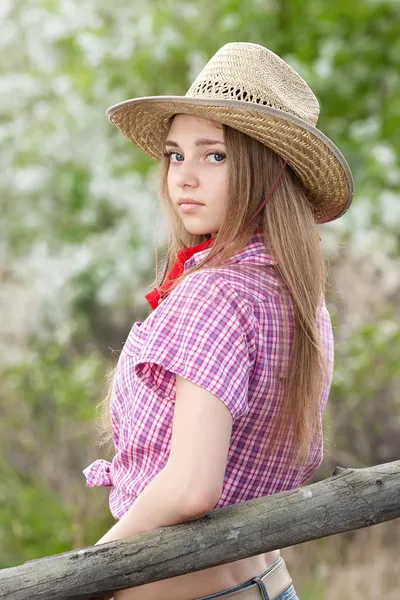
column 251, row 89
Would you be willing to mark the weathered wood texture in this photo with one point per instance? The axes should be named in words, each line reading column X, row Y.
column 350, row 499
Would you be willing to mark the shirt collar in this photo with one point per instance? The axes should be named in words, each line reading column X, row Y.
column 254, row 253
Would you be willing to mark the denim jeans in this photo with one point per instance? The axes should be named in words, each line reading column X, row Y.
column 289, row 594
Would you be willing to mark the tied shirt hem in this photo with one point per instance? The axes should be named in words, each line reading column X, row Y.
column 98, row 474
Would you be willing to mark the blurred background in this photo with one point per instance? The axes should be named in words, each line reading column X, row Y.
column 78, row 228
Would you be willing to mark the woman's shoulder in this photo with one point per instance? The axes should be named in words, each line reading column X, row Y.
column 209, row 287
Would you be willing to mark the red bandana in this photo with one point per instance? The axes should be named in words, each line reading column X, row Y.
column 183, row 255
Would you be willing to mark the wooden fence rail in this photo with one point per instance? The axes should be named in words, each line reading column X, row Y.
column 349, row 499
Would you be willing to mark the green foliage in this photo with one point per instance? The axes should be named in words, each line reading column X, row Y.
column 367, row 377
column 313, row 590
column 49, row 401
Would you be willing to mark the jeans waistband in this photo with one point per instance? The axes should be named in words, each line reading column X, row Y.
column 268, row 585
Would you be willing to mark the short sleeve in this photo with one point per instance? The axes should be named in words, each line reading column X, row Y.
column 200, row 332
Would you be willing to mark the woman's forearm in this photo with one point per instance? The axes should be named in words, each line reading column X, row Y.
column 165, row 501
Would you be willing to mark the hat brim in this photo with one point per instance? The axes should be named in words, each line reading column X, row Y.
column 313, row 156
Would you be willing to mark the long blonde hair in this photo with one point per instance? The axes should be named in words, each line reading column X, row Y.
column 291, row 235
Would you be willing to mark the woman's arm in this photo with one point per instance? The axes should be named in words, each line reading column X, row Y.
column 190, row 484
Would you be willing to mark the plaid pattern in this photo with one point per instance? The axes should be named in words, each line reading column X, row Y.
column 225, row 331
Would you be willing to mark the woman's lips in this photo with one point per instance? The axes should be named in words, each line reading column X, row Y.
column 190, row 207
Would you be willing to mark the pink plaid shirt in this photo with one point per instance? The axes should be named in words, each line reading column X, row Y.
column 224, row 331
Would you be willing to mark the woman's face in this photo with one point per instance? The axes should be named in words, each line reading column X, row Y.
column 197, row 171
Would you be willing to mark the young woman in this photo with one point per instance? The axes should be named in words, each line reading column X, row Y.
column 218, row 396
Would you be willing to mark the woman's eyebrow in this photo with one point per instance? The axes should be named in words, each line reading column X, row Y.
column 199, row 142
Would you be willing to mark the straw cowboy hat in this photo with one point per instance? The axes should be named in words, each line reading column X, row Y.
column 251, row 89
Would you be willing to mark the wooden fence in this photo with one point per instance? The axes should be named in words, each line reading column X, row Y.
column 349, row 499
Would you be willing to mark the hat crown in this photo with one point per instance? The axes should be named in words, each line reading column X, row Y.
column 249, row 72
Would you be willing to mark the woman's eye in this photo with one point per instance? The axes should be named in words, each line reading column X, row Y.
column 170, row 154
column 218, row 155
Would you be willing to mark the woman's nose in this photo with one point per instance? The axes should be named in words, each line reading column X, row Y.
column 187, row 175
